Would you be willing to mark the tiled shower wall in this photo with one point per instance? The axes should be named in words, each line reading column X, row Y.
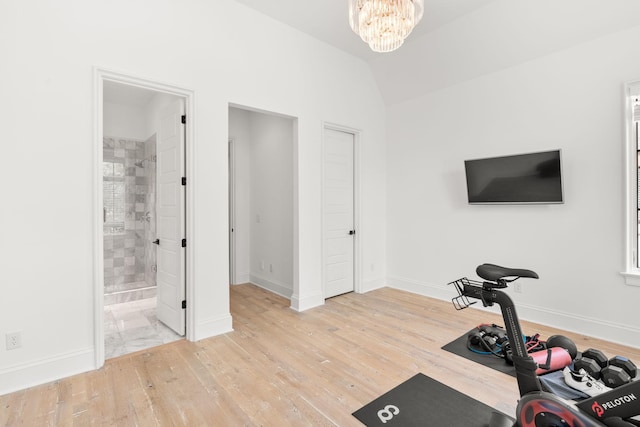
column 129, row 213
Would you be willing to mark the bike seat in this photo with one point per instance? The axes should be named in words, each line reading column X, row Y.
column 494, row 272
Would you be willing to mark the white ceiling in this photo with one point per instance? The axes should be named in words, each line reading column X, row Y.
column 459, row 40
column 328, row 20
column 133, row 96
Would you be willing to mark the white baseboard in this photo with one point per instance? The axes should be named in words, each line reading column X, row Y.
column 242, row 278
column 277, row 288
column 596, row 328
column 372, row 285
column 297, row 303
column 589, row 326
column 421, row 288
column 308, row 302
column 213, row 326
column 19, row 377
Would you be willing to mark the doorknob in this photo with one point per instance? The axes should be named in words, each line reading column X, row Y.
column 352, row 232
column 156, row 242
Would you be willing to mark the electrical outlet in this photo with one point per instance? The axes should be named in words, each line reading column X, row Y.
column 517, row 288
column 14, row 340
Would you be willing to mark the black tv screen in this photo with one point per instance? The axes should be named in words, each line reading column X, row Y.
column 523, row 178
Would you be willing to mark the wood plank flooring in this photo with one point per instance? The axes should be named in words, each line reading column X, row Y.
column 283, row 368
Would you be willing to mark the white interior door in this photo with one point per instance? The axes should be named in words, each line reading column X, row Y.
column 338, row 212
column 170, row 215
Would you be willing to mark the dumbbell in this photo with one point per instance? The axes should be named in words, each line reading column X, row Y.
column 592, row 361
column 596, row 355
column 589, row 365
column 614, row 376
column 625, row 364
column 619, row 372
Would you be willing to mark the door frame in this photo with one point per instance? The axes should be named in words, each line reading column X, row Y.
column 232, row 212
column 357, row 182
column 100, row 75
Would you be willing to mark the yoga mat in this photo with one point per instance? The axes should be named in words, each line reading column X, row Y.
column 554, row 381
column 459, row 347
column 421, row 402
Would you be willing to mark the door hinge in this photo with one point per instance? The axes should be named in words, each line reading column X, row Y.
column 184, row 119
column 184, row 180
column 184, row 303
column 184, row 243
column 352, row 232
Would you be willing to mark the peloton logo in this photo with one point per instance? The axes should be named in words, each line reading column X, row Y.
column 388, row 413
column 600, row 409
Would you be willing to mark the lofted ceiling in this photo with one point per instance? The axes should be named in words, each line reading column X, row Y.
column 459, row 40
column 328, row 20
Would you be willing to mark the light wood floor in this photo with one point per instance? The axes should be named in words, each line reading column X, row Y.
column 281, row 368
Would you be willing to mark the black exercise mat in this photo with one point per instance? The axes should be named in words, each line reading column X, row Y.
column 459, row 347
column 553, row 381
column 422, row 402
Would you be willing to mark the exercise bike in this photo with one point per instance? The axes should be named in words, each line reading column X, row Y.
column 538, row 407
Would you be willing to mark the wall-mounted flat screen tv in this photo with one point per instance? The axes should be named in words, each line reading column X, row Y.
column 523, row 178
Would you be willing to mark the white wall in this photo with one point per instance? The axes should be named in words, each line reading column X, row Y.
column 124, row 121
column 571, row 100
column 225, row 53
column 271, row 209
column 240, row 133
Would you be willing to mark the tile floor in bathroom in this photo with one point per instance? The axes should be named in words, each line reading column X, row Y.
column 133, row 326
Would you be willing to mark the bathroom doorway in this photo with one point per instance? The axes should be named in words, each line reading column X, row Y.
column 143, row 217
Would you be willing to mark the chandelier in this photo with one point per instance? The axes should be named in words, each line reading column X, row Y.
column 384, row 24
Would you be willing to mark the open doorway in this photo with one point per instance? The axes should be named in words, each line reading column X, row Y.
column 261, row 190
column 143, row 215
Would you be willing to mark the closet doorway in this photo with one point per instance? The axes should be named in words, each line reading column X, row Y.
column 143, row 216
column 262, row 226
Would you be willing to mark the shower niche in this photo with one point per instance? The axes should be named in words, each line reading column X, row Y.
column 129, row 219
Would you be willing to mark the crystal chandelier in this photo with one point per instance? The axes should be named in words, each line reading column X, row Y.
column 384, row 24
